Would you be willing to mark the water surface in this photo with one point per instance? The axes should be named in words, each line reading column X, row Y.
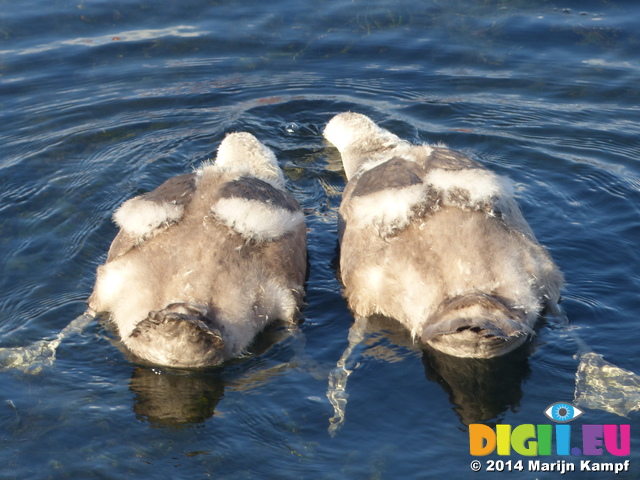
column 100, row 101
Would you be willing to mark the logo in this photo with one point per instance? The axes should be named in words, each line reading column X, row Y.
column 546, row 439
column 562, row 412
column 531, row 440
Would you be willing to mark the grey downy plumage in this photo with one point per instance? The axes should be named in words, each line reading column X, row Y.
column 208, row 259
column 433, row 239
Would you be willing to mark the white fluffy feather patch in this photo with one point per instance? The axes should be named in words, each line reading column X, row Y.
column 481, row 186
column 387, row 210
column 139, row 217
column 279, row 302
column 256, row 220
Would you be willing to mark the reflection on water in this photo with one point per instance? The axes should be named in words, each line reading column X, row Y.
column 480, row 389
column 105, row 100
column 180, row 398
column 166, row 398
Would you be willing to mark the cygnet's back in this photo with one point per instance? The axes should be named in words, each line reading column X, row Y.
column 431, row 238
column 204, row 262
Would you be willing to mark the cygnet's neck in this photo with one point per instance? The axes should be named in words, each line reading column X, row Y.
column 242, row 153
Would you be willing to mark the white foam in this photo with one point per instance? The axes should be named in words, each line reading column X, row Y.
column 140, row 217
column 256, row 220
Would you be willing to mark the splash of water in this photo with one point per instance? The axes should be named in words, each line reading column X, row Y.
column 336, row 392
column 32, row 358
column 604, row 386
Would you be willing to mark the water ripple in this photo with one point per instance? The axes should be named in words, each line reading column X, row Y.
column 103, row 101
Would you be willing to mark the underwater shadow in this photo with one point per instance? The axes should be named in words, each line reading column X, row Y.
column 480, row 389
column 181, row 398
column 174, row 399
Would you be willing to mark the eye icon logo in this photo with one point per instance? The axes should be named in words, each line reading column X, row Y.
column 562, row 412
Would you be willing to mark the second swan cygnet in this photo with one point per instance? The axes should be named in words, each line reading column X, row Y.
column 431, row 238
column 205, row 261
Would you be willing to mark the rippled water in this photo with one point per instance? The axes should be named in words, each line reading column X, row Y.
column 100, row 101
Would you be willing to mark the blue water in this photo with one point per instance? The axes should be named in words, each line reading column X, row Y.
column 100, row 101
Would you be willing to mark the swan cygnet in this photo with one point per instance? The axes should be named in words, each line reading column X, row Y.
column 431, row 238
column 206, row 260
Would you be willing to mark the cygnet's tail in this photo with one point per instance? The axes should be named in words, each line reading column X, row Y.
column 181, row 335
column 476, row 325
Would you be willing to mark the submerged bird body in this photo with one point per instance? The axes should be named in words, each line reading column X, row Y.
column 433, row 239
column 204, row 262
